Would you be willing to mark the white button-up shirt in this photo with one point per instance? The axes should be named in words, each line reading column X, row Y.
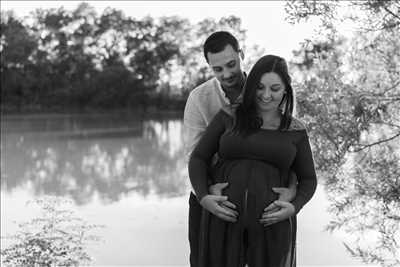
column 202, row 105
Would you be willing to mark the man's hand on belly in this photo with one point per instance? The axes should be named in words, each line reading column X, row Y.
column 216, row 190
column 220, row 207
column 285, row 194
column 286, row 210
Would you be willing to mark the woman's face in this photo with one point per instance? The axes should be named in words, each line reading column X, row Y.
column 269, row 92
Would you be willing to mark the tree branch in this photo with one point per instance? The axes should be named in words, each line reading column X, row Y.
column 391, row 12
column 377, row 143
column 393, row 87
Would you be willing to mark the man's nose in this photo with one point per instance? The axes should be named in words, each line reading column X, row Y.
column 226, row 74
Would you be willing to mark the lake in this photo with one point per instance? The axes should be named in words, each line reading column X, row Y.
column 128, row 173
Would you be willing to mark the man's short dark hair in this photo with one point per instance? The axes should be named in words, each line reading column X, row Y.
column 217, row 42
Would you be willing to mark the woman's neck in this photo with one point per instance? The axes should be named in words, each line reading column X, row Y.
column 271, row 118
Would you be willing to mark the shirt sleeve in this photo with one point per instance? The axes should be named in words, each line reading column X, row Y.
column 201, row 157
column 303, row 166
column 194, row 125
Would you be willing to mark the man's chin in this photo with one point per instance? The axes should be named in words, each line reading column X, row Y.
column 232, row 85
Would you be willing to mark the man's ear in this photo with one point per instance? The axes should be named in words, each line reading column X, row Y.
column 241, row 54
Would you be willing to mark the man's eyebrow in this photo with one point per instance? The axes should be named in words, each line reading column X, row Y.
column 230, row 62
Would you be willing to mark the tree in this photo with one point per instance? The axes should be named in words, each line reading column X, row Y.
column 349, row 95
column 16, row 46
column 79, row 59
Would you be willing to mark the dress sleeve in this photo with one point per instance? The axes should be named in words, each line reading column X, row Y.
column 303, row 165
column 194, row 125
column 201, row 157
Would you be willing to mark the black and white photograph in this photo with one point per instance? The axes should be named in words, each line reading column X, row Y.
column 200, row 133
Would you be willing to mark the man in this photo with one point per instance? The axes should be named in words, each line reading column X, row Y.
column 224, row 56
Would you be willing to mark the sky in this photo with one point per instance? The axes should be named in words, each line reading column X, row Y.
column 264, row 20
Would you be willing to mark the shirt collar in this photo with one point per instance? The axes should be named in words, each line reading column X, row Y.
column 238, row 100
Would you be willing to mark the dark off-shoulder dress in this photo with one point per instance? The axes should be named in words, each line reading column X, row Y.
column 252, row 165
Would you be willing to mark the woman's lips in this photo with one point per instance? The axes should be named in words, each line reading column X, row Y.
column 264, row 100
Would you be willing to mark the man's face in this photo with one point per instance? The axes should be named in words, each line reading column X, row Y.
column 227, row 67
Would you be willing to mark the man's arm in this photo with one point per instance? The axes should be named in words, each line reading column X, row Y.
column 194, row 125
column 194, row 128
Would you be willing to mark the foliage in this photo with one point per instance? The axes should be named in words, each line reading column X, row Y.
column 349, row 94
column 56, row 238
column 79, row 59
column 366, row 204
column 369, row 15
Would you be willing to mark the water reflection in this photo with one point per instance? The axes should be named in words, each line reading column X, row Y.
column 137, row 167
column 83, row 160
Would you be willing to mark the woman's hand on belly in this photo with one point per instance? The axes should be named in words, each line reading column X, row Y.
column 216, row 190
column 286, row 210
column 285, row 194
column 217, row 206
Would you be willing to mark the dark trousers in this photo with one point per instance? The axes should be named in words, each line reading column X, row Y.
column 195, row 211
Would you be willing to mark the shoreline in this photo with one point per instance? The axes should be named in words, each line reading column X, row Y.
column 89, row 112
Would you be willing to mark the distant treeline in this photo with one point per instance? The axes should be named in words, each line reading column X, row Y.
column 61, row 60
column 347, row 90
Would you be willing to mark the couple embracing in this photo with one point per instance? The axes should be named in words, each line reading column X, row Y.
column 250, row 165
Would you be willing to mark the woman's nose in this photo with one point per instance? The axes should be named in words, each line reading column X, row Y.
column 267, row 93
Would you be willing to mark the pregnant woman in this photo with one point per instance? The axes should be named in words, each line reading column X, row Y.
column 257, row 146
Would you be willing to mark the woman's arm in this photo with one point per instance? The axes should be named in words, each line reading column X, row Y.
column 200, row 158
column 303, row 166
column 199, row 163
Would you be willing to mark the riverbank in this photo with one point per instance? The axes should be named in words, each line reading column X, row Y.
column 57, row 112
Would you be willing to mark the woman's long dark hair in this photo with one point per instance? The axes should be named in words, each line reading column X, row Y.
column 247, row 118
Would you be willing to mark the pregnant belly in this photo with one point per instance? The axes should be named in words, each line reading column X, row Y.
column 250, row 185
